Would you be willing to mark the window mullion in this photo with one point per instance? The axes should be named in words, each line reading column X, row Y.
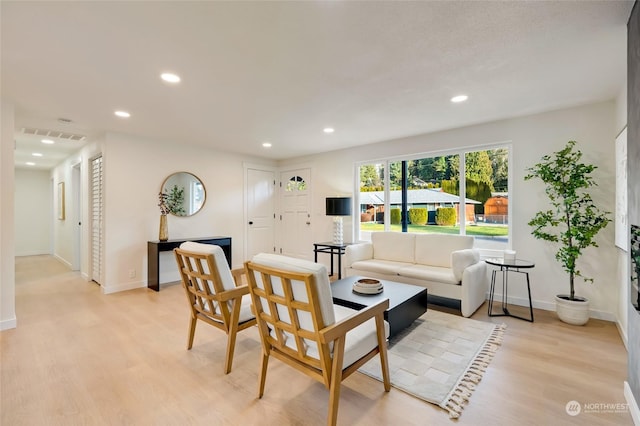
column 404, row 219
column 387, row 196
column 462, row 207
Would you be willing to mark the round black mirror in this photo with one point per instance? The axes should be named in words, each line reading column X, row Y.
column 185, row 193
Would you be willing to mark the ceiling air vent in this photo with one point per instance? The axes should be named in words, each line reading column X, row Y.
column 53, row 134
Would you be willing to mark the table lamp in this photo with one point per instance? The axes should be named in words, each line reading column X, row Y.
column 338, row 207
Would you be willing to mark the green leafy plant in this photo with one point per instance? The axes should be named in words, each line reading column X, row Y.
column 574, row 220
column 175, row 201
column 446, row 216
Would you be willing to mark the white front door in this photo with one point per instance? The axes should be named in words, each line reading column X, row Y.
column 295, row 236
column 260, row 211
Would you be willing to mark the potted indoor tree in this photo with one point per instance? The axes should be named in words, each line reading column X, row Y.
column 572, row 222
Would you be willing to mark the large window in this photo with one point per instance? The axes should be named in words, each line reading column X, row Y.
column 427, row 195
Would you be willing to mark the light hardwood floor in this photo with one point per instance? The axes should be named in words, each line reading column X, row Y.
column 79, row 357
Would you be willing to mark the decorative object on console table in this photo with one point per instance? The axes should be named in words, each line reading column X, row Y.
column 573, row 222
column 338, row 207
column 163, row 233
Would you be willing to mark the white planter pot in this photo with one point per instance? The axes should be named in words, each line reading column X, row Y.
column 575, row 312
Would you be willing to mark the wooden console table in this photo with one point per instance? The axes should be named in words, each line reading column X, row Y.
column 155, row 247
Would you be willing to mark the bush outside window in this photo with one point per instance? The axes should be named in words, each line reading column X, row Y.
column 426, row 198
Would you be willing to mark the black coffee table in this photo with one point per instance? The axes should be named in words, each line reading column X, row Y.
column 406, row 302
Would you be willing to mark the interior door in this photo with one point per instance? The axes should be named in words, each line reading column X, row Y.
column 260, row 212
column 295, row 218
column 76, row 262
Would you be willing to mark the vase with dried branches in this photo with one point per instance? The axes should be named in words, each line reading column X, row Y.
column 163, row 234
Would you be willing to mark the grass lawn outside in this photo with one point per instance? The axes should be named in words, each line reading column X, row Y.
column 476, row 230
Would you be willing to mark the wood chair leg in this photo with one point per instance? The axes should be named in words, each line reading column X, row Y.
column 233, row 332
column 192, row 331
column 264, row 362
column 384, row 360
column 336, row 381
column 231, row 344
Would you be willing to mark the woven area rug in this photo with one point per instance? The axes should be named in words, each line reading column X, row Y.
column 440, row 358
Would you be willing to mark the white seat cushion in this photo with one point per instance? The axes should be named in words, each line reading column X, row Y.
column 387, row 267
column 246, row 313
column 361, row 340
column 429, row 273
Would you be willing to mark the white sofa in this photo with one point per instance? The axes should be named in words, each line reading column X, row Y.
column 447, row 265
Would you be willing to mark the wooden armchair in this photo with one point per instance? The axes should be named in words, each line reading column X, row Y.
column 300, row 325
column 214, row 293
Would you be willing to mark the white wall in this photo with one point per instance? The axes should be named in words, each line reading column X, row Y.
column 593, row 126
column 33, row 212
column 7, row 226
column 134, row 170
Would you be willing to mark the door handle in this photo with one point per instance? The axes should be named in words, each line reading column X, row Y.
column 308, row 223
column 250, row 222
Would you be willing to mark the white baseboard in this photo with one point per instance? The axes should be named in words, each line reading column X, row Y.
column 32, row 253
column 551, row 306
column 8, row 324
column 632, row 404
column 63, row 261
column 623, row 334
column 123, row 287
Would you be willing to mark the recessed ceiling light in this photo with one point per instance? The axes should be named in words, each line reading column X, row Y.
column 36, row 154
column 459, row 98
column 122, row 114
column 170, row 78
column 30, row 163
column 266, row 144
column 328, row 130
column 48, row 141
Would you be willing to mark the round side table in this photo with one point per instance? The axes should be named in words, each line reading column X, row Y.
column 506, row 266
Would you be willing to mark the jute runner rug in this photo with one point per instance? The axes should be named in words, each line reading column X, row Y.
column 440, row 358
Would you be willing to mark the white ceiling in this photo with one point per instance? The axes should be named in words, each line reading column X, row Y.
column 282, row 71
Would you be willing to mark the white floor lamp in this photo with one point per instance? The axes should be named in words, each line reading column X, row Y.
column 338, row 207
